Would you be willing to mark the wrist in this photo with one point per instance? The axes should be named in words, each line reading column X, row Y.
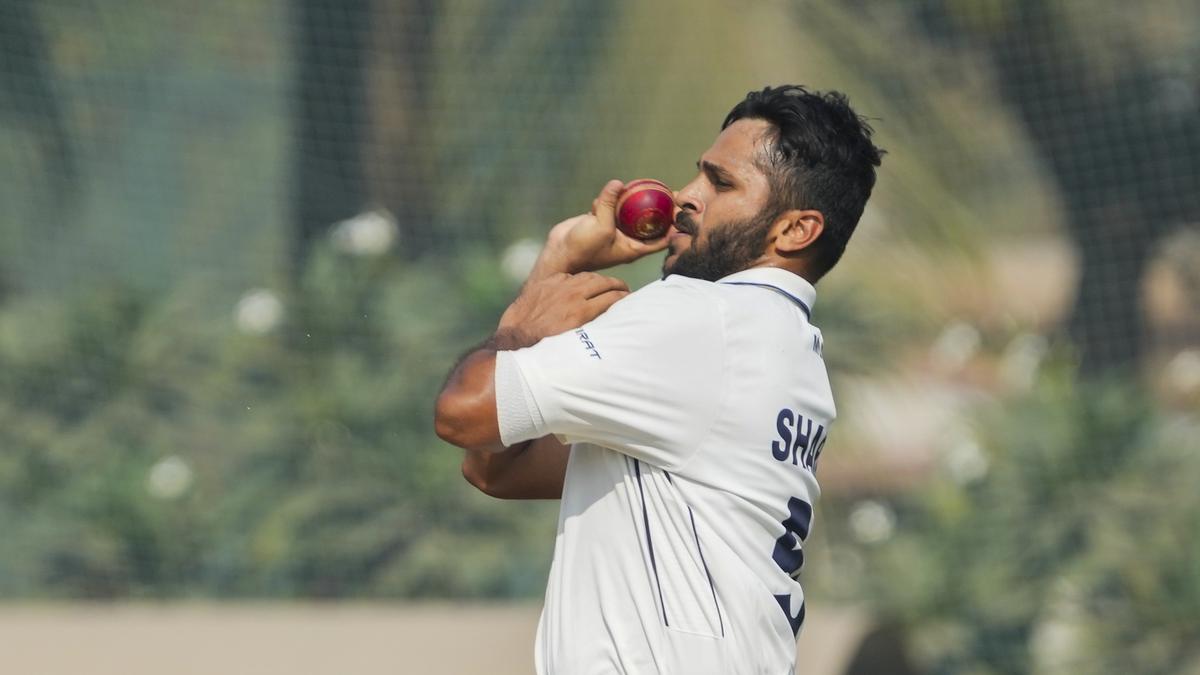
column 508, row 338
column 554, row 259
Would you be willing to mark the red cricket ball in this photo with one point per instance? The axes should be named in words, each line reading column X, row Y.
column 645, row 209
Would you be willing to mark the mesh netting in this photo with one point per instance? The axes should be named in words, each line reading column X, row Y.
column 241, row 244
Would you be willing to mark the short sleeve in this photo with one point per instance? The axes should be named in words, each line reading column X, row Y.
column 645, row 378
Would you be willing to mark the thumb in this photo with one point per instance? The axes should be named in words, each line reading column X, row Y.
column 606, row 202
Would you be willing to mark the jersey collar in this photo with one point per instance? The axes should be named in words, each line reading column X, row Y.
column 793, row 286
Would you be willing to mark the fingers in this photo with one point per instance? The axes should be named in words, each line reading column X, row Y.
column 605, row 204
column 559, row 302
column 592, row 284
column 643, row 247
column 599, row 304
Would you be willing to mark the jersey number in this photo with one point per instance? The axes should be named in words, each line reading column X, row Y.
column 789, row 553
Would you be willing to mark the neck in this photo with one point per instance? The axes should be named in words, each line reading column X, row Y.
column 794, row 265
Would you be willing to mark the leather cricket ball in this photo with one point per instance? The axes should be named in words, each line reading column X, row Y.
column 645, row 209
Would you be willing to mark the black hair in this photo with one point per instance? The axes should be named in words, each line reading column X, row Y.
column 819, row 156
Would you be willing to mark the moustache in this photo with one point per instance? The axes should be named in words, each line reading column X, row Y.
column 685, row 224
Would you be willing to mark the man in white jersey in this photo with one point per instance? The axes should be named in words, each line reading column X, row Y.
column 681, row 424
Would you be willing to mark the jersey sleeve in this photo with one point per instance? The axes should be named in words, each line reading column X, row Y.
column 645, row 378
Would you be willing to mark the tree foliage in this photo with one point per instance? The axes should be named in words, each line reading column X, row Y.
column 310, row 464
column 1073, row 550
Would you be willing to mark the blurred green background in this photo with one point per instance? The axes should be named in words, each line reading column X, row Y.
column 242, row 243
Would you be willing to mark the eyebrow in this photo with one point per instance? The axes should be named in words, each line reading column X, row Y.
column 714, row 171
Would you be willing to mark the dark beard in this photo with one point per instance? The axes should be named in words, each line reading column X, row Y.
column 730, row 247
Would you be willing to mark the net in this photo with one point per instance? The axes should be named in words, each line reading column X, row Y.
column 241, row 244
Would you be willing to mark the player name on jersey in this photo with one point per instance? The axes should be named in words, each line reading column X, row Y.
column 798, row 440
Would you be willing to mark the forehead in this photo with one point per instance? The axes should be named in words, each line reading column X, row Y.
column 739, row 146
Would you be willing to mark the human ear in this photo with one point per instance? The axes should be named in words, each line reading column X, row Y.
column 797, row 229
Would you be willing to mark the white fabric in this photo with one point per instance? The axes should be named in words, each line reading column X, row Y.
column 696, row 412
column 516, row 410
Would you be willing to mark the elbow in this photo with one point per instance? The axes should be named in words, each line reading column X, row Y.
column 443, row 420
column 458, row 421
column 451, row 427
column 465, row 411
column 474, row 464
column 448, row 422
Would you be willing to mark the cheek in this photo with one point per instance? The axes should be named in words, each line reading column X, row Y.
column 734, row 209
column 678, row 245
column 722, row 212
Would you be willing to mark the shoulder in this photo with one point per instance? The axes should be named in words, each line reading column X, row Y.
column 680, row 294
column 670, row 306
column 664, row 320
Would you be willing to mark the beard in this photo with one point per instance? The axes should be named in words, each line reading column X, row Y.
column 730, row 247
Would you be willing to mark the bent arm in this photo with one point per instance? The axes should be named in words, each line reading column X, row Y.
column 466, row 416
column 465, row 413
column 559, row 295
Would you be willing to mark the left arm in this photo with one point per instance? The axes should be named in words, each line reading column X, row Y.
column 465, row 414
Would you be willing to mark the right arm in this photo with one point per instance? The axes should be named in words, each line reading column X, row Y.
column 591, row 241
column 555, row 298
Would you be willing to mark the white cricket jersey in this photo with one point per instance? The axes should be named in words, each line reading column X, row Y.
column 696, row 412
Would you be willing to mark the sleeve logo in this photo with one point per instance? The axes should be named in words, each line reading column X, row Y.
column 587, row 343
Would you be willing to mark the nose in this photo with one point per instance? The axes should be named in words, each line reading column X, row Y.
column 688, row 199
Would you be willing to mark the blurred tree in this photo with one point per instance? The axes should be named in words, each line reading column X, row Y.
column 1068, row 548
column 515, row 103
column 289, row 471
column 1116, row 119
column 882, row 650
column 29, row 102
column 400, row 151
column 330, row 48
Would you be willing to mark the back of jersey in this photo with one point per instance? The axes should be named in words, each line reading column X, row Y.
column 752, row 485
